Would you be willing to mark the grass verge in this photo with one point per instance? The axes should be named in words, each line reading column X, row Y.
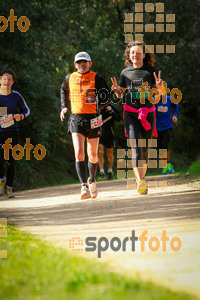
column 36, row 270
column 194, row 169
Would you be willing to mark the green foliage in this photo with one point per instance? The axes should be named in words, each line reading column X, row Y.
column 194, row 168
column 38, row 270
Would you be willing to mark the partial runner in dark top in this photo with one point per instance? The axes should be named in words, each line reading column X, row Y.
column 13, row 108
column 110, row 114
column 164, row 120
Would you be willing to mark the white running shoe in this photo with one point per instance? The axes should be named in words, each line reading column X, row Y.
column 93, row 189
column 85, row 193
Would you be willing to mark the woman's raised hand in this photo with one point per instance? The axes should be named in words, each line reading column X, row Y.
column 115, row 86
column 158, row 80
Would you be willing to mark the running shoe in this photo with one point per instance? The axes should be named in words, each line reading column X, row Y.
column 164, row 171
column 85, row 194
column 93, row 189
column 101, row 176
column 9, row 192
column 142, row 187
column 110, row 176
column 170, row 168
column 2, row 187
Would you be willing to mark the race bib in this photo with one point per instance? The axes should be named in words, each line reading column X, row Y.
column 6, row 121
column 162, row 108
column 96, row 122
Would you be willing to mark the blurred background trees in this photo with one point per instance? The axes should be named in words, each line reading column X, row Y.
column 42, row 56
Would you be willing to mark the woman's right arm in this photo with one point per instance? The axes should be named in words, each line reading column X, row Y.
column 64, row 97
column 118, row 90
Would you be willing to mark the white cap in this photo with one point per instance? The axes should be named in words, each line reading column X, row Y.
column 82, row 56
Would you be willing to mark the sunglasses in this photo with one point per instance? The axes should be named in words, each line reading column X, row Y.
column 81, row 61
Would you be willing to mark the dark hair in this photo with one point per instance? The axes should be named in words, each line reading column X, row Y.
column 149, row 57
column 8, row 71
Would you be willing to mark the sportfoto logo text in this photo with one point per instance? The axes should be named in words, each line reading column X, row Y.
column 102, row 244
column 23, row 22
column 18, row 151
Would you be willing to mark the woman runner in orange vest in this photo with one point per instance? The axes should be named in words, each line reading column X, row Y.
column 86, row 91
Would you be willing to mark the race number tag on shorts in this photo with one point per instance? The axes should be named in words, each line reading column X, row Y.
column 6, row 121
column 96, row 122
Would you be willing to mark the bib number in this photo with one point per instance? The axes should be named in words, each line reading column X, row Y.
column 96, row 122
column 6, row 121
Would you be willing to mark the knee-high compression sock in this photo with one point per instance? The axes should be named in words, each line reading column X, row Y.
column 92, row 170
column 81, row 171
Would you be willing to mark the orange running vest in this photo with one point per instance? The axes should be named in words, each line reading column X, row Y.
column 82, row 93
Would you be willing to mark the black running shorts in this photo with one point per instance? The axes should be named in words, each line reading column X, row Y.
column 80, row 123
column 136, row 131
column 164, row 138
column 107, row 141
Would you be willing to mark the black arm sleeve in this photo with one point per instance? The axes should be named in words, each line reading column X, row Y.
column 64, row 92
column 102, row 89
